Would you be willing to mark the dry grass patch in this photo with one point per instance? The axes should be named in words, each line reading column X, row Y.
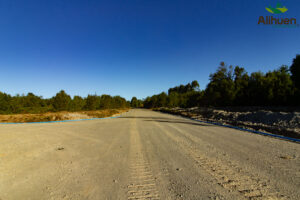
column 58, row 116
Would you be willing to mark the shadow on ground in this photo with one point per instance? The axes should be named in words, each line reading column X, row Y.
column 167, row 120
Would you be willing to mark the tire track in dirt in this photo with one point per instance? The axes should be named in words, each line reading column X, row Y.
column 227, row 175
column 142, row 184
column 239, row 147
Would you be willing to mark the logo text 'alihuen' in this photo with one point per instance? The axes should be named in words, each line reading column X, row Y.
column 273, row 20
column 277, row 21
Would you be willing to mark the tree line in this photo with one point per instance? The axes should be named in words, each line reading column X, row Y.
column 228, row 86
column 233, row 86
column 31, row 103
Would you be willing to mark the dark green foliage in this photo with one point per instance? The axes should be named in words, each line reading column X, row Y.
column 272, row 88
column 174, row 99
column 241, row 82
column 230, row 86
column 22, row 104
column 181, row 96
column 162, row 99
column 185, row 88
column 133, row 102
column 60, row 102
column 195, row 85
column 136, row 103
column 92, row 102
column 279, row 86
column 220, row 91
column 119, row 102
column 295, row 71
column 77, row 103
column 5, row 100
column 193, row 98
column 106, row 101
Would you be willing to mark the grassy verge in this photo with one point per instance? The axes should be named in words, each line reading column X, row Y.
column 58, row 116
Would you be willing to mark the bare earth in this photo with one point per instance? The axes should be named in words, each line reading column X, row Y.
column 144, row 155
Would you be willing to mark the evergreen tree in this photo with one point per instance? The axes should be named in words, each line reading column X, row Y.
column 295, row 70
column 77, row 103
column 92, row 102
column 61, row 101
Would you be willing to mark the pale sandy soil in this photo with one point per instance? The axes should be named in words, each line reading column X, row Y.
column 144, row 155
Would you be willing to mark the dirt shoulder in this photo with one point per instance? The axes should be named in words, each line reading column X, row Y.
column 58, row 116
column 144, row 155
column 286, row 123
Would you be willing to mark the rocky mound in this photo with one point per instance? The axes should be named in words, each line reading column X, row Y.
column 286, row 122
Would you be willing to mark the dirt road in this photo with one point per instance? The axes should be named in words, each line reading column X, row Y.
column 144, row 155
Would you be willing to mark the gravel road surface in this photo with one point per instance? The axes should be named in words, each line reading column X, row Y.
column 144, row 155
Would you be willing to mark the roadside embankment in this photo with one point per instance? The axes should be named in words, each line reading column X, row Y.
column 283, row 121
column 59, row 116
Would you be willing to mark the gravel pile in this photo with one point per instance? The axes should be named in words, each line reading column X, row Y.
column 285, row 122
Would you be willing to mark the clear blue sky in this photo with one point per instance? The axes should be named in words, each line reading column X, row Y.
column 135, row 47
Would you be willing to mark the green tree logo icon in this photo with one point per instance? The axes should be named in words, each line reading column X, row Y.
column 279, row 9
